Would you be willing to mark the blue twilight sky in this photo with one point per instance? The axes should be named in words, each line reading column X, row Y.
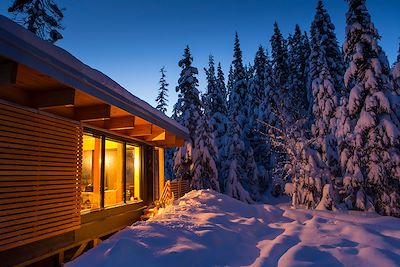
column 130, row 40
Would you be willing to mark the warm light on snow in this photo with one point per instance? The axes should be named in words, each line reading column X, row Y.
column 205, row 228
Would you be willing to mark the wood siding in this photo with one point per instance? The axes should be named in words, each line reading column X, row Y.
column 180, row 188
column 40, row 174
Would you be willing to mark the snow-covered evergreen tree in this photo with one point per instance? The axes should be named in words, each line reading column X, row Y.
column 238, row 112
column 325, row 103
column 188, row 112
column 259, row 87
column 205, row 173
column 298, row 58
column 279, row 94
column 323, row 37
column 235, row 164
column 215, row 100
column 396, row 74
column 41, row 17
column 370, row 155
column 162, row 101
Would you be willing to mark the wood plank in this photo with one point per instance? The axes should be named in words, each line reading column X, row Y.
column 93, row 113
column 58, row 97
column 13, row 134
column 140, row 130
column 36, row 122
column 47, row 205
column 11, row 201
column 34, row 214
column 120, row 123
column 11, row 236
column 37, row 173
column 37, row 162
column 21, row 221
column 156, row 136
column 62, row 148
column 49, row 159
column 17, row 189
column 47, row 193
column 28, row 238
column 11, row 208
column 36, row 114
column 34, row 147
column 43, row 155
column 37, row 128
column 23, row 183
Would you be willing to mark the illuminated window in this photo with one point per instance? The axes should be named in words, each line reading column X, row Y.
column 113, row 180
column 91, row 173
column 133, row 173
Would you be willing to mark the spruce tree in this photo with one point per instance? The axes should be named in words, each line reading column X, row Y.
column 370, row 155
column 41, row 17
column 205, row 173
column 162, row 101
column 238, row 112
column 215, row 100
column 396, row 74
column 259, row 88
column 323, row 36
column 279, row 94
column 188, row 112
column 298, row 59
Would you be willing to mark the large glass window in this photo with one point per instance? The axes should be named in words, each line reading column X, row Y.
column 113, row 180
column 133, row 173
column 91, row 173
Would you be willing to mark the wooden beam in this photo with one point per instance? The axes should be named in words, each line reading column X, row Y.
column 156, row 136
column 93, row 113
column 141, row 130
column 121, row 123
column 63, row 97
column 8, row 72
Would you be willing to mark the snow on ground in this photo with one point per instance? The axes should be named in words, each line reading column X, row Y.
column 205, row 228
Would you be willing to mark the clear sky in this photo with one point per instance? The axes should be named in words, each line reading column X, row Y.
column 130, row 40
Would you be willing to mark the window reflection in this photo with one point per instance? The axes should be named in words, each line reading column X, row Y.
column 113, row 182
column 91, row 173
column 132, row 173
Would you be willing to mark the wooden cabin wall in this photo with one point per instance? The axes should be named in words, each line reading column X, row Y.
column 40, row 170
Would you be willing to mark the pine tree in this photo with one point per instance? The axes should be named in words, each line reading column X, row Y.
column 188, row 112
column 215, row 100
column 41, row 17
column 162, row 93
column 323, row 37
column 298, row 59
column 205, row 173
column 370, row 155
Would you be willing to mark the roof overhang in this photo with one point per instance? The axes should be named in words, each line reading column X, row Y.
column 38, row 74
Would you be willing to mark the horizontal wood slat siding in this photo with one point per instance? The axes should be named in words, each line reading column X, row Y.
column 40, row 175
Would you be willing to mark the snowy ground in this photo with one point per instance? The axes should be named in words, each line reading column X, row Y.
column 205, row 228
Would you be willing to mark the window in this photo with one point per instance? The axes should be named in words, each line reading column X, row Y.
column 90, row 187
column 113, row 180
column 133, row 173
column 112, row 185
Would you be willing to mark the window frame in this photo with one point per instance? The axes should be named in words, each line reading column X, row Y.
column 103, row 136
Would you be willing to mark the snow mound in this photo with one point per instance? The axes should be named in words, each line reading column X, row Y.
column 206, row 228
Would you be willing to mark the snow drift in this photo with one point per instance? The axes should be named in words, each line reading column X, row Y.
column 205, row 228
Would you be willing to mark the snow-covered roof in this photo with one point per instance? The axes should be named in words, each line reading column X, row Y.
column 22, row 46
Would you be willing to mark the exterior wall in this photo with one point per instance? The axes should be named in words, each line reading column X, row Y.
column 29, row 177
column 40, row 169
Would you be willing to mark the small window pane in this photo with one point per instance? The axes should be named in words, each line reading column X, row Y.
column 91, row 173
column 133, row 173
column 113, row 182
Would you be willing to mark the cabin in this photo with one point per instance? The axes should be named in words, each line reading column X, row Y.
column 80, row 156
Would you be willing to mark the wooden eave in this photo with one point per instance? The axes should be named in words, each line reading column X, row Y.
column 32, row 77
